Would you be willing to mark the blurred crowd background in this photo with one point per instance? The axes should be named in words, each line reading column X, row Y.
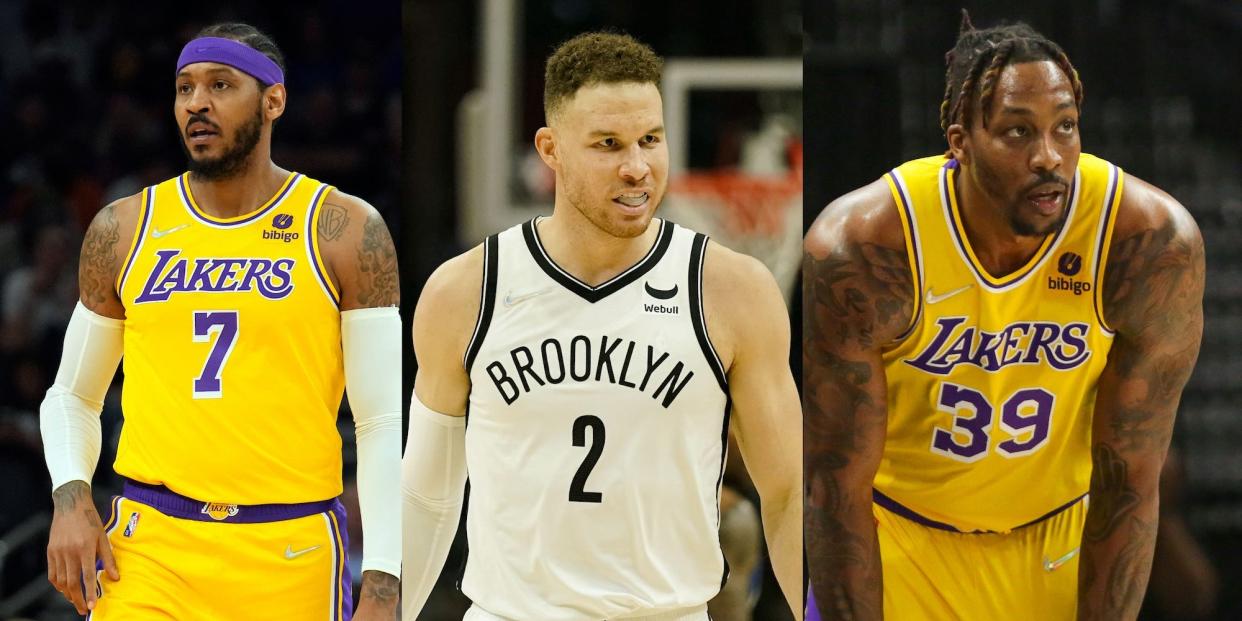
column 86, row 111
column 1161, row 82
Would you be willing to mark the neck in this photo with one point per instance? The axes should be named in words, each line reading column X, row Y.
column 590, row 254
column 999, row 249
column 242, row 193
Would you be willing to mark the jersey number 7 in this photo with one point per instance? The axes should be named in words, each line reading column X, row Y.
column 224, row 324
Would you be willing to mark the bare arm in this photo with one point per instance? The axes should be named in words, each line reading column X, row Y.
column 857, row 295
column 738, row 289
column 1153, row 298
column 362, row 262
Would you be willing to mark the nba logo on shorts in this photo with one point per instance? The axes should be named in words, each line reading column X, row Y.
column 133, row 524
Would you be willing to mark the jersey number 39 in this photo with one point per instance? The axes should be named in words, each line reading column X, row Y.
column 1026, row 417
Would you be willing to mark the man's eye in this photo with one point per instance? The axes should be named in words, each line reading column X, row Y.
column 1016, row 132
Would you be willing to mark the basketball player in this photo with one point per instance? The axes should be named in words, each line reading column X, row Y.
column 601, row 354
column 991, row 335
column 244, row 297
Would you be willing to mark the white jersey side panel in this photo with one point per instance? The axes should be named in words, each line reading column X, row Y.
column 595, row 437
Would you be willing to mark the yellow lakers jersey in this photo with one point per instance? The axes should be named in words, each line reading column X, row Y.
column 991, row 390
column 233, row 364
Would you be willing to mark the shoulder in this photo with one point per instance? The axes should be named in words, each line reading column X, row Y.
column 104, row 246
column 1156, row 252
column 358, row 251
column 342, row 213
column 857, row 275
column 448, row 306
column 743, row 306
column 866, row 216
column 1152, row 214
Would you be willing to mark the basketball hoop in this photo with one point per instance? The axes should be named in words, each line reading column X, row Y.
column 758, row 215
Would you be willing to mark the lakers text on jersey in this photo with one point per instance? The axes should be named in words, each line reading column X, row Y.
column 991, row 390
column 233, row 369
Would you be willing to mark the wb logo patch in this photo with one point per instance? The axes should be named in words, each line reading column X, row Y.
column 656, row 300
column 218, row 510
column 132, row 525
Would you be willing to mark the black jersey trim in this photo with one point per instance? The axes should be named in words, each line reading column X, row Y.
column 697, row 316
column 594, row 294
column 724, row 456
column 487, row 302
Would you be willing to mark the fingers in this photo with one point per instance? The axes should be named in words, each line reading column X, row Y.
column 73, row 585
column 89, row 585
column 105, row 554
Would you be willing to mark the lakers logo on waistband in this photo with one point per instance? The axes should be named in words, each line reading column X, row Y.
column 219, row 510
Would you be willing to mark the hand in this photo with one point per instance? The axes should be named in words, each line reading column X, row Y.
column 380, row 592
column 77, row 537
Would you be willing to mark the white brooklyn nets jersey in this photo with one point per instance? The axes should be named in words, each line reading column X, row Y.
column 595, row 437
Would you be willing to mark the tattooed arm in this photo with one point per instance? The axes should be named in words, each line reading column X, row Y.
column 358, row 252
column 69, row 414
column 360, row 259
column 857, row 295
column 1153, row 298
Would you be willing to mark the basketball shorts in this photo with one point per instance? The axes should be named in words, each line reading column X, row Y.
column 696, row 613
column 932, row 574
column 1030, row 572
column 186, row 560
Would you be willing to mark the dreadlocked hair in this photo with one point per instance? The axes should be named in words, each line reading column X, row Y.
column 977, row 59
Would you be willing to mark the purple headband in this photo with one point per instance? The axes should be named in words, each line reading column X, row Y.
column 234, row 54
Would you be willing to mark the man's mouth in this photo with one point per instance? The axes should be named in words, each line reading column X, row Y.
column 632, row 199
column 1047, row 198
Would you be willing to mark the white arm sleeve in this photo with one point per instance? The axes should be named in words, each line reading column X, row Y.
column 371, row 341
column 433, row 478
column 69, row 414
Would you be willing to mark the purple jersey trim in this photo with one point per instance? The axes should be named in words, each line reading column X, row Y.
column 812, row 611
column 175, row 505
column 184, row 187
column 312, row 252
column 905, row 512
column 963, row 244
column 1109, row 198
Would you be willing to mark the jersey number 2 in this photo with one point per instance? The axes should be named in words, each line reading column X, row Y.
column 224, row 324
column 576, row 491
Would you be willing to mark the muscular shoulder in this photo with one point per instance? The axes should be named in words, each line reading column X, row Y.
column 865, row 217
column 741, row 301
column 1156, row 250
column 448, row 308
column 359, row 252
column 856, row 273
column 104, row 247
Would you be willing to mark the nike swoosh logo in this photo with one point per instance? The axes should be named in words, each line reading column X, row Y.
column 1051, row 566
column 660, row 294
column 290, row 554
column 514, row 300
column 932, row 298
column 156, row 233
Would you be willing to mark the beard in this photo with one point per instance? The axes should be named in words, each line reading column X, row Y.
column 234, row 159
column 601, row 216
column 989, row 180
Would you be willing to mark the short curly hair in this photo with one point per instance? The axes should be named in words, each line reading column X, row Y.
column 596, row 58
